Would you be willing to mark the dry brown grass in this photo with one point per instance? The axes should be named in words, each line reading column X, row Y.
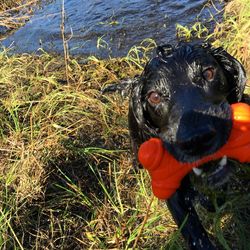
column 14, row 14
column 9, row 4
column 37, row 113
column 65, row 174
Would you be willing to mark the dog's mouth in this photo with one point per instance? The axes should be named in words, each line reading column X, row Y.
column 213, row 174
column 216, row 173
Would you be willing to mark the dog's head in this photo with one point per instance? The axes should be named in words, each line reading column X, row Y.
column 184, row 96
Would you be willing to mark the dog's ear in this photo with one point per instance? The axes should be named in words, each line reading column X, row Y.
column 136, row 120
column 139, row 128
column 135, row 104
column 234, row 72
column 137, row 108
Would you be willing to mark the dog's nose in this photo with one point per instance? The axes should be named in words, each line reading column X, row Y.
column 198, row 142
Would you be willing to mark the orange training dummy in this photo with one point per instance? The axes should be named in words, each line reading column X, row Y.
column 166, row 172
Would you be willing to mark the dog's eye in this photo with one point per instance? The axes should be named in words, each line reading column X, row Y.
column 154, row 98
column 208, row 74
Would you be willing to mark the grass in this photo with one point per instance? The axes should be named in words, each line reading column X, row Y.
column 66, row 175
column 15, row 13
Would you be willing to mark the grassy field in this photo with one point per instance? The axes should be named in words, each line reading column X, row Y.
column 66, row 174
column 66, row 178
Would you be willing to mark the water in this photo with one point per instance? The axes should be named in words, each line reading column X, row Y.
column 120, row 23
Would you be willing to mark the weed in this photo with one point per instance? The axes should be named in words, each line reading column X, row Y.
column 101, row 43
column 139, row 55
column 197, row 30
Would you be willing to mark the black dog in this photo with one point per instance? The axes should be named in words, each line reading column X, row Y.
column 183, row 97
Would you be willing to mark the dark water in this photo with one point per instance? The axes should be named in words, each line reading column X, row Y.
column 121, row 23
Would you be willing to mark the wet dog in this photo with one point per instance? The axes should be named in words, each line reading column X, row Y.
column 183, row 97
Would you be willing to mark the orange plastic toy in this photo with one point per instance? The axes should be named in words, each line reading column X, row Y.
column 166, row 172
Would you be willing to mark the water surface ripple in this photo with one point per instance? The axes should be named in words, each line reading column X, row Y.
column 121, row 23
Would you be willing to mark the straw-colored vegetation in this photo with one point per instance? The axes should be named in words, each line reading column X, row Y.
column 15, row 13
column 9, row 4
column 66, row 178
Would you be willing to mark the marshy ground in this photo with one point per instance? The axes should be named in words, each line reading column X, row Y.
column 66, row 177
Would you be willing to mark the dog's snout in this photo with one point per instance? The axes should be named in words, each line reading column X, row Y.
column 198, row 141
column 196, row 133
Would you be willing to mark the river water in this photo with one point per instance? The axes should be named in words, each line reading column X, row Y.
column 119, row 23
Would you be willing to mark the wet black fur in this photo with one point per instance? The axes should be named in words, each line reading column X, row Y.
column 193, row 117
